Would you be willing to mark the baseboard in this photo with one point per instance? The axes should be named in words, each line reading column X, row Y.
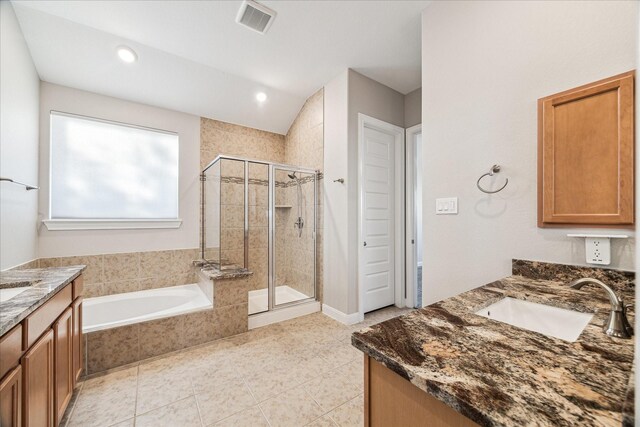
column 282, row 314
column 347, row 319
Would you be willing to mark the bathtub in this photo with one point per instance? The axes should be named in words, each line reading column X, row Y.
column 133, row 307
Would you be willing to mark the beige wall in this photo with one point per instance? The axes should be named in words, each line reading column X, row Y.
column 19, row 99
column 95, row 242
column 335, row 196
column 346, row 96
column 413, row 108
column 484, row 66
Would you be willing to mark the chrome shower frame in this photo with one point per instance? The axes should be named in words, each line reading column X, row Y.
column 272, row 167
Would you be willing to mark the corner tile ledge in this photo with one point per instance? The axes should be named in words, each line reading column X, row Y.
column 215, row 274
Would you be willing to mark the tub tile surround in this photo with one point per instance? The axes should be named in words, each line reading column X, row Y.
column 110, row 274
column 119, row 346
column 219, row 382
column 540, row 378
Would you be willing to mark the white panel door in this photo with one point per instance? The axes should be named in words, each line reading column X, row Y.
column 378, row 220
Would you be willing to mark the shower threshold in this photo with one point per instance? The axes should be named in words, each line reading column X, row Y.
column 259, row 299
column 259, row 303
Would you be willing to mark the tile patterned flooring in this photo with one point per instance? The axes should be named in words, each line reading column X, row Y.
column 295, row 373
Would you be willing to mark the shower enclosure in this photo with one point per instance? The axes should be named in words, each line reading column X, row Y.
column 262, row 216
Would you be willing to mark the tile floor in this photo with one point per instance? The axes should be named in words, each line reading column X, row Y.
column 295, row 373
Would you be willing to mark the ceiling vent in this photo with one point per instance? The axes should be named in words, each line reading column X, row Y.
column 255, row 16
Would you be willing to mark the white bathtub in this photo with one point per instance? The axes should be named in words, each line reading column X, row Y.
column 133, row 307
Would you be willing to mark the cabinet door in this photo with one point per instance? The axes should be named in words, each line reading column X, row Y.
column 78, row 344
column 586, row 155
column 11, row 398
column 63, row 362
column 37, row 364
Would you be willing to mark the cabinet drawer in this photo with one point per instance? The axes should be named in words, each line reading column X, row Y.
column 78, row 287
column 42, row 319
column 10, row 349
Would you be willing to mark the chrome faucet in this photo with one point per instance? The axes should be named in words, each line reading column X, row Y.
column 617, row 324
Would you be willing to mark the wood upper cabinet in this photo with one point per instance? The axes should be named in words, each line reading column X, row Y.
column 11, row 398
column 63, row 362
column 586, row 155
column 37, row 364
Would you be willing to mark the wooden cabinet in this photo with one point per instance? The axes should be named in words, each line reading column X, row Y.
column 63, row 363
column 390, row 400
column 11, row 398
column 37, row 364
column 78, row 342
column 39, row 382
column 586, row 155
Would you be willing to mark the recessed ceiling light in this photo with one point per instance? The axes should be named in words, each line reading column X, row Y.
column 261, row 96
column 127, row 54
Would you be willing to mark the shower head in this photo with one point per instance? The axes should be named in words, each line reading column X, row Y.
column 292, row 176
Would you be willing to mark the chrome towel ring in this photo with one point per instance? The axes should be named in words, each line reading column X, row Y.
column 494, row 169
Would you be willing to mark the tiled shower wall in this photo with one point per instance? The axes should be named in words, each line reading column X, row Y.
column 218, row 137
column 225, row 138
column 295, row 249
column 304, row 146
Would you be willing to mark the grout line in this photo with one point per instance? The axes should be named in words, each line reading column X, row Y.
column 193, row 390
column 135, row 407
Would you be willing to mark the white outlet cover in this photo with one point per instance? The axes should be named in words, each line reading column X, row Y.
column 447, row 206
column 598, row 250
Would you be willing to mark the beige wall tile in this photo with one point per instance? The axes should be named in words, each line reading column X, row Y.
column 110, row 288
column 161, row 336
column 232, row 319
column 154, row 264
column 93, row 272
column 200, row 328
column 182, row 260
column 230, row 292
column 118, row 267
column 112, row 347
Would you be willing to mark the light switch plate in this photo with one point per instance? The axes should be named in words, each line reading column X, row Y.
column 447, row 206
column 598, row 250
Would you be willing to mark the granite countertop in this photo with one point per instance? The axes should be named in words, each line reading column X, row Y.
column 229, row 272
column 45, row 283
column 500, row 375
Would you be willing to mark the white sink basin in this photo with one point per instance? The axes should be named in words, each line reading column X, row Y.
column 7, row 294
column 544, row 319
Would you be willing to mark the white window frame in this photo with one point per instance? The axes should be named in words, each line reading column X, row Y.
column 60, row 224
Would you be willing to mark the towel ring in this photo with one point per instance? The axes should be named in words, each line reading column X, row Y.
column 494, row 169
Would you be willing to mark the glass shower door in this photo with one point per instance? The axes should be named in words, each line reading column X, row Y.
column 294, row 225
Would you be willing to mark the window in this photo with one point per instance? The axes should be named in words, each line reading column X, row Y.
column 112, row 173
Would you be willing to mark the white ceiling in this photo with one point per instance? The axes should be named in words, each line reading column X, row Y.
column 194, row 58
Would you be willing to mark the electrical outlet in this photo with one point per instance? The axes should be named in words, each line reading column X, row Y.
column 598, row 250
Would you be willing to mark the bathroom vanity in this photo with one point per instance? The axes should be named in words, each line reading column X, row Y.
column 41, row 351
column 445, row 365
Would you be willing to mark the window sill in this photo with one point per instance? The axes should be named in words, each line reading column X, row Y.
column 110, row 224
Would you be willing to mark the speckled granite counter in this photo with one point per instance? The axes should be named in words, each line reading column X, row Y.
column 499, row 375
column 46, row 282
column 227, row 273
